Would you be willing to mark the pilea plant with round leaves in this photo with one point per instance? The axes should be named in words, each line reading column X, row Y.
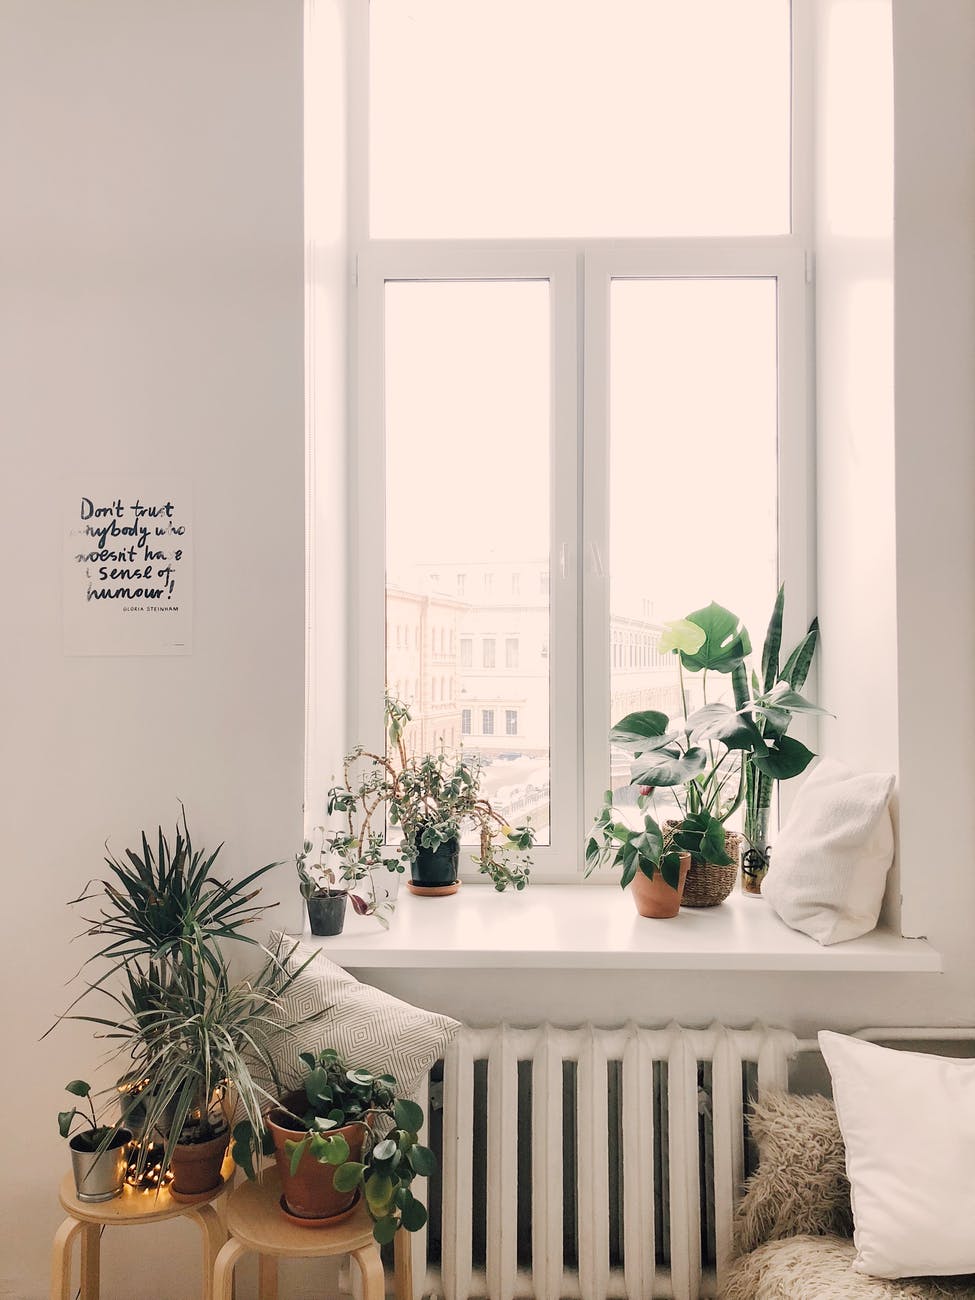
column 392, row 1156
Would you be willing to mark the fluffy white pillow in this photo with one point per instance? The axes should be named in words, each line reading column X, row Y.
column 370, row 1028
column 908, row 1123
column 831, row 859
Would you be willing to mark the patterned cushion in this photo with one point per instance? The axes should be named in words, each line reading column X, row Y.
column 821, row 1268
column 800, row 1185
column 369, row 1028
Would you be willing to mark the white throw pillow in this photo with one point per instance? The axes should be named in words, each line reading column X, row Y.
column 369, row 1028
column 908, row 1123
column 830, row 861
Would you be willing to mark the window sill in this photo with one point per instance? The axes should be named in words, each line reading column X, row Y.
column 578, row 928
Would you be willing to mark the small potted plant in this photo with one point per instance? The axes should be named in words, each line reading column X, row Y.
column 431, row 798
column 99, row 1152
column 652, row 866
column 346, row 1133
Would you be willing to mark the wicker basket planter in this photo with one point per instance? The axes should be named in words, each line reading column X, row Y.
column 708, row 885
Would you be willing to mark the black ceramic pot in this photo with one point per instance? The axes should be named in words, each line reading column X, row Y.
column 326, row 912
column 435, row 868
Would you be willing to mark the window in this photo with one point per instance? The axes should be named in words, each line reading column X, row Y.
column 582, row 353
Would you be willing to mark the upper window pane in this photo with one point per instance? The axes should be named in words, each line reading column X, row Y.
column 547, row 118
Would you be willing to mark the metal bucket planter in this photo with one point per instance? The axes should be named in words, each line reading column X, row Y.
column 100, row 1175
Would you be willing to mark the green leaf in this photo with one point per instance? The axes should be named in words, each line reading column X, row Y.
column 641, row 732
column 720, row 722
column 797, row 666
column 773, row 642
column 424, row 1161
column 384, row 1230
column 78, row 1087
column 681, row 634
column 669, row 769
column 408, row 1115
column 348, row 1176
column 702, row 836
column 413, row 1215
column 670, row 868
column 379, row 1192
column 337, row 1150
column 295, row 1150
column 385, row 1150
column 782, row 696
column 783, row 758
column 64, row 1121
column 726, row 641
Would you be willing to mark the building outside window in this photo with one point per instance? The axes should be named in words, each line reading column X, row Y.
column 511, row 722
column 511, row 652
column 487, row 722
column 465, row 722
column 487, row 652
column 466, row 657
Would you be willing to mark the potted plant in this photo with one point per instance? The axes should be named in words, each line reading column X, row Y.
column 652, row 865
column 199, row 1046
column 431, row 798
column 772, row 722
column 99, row 1152
column 702, row 758
column 346, row 1133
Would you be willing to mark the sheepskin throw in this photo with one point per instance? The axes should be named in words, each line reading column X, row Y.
column 821, row 1268
column 800, row 1185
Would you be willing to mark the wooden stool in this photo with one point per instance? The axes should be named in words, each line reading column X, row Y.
column 255, row 1223
column 131, row 1207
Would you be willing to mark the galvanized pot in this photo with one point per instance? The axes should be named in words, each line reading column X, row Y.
column 100, row 1175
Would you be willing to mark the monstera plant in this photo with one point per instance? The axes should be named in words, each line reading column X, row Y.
column 720, row 755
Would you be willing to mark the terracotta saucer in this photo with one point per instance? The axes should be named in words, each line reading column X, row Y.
column 433, row 891
column 327, row 1222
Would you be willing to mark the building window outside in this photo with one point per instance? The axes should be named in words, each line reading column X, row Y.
column 511, row 652
column 465, row 722
column 466, row 648
column 487, row 652
column 487, row 722
column 488, row 583
column 511, row 722
column 461, row 583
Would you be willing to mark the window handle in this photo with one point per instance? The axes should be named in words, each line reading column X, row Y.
column 597, row 561
column 564, row 559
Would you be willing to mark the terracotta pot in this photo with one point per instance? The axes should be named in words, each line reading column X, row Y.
column 310, row 1193
column 196, row 1165
column 655, row 897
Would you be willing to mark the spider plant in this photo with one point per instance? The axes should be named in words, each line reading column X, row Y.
column 164, row 908
column 203, row 1044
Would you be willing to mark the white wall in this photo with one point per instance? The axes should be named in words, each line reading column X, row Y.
column 151, row 317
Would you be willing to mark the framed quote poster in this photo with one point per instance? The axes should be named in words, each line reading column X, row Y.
column 128, row 566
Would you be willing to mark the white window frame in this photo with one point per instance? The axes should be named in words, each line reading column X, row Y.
column 579, row 273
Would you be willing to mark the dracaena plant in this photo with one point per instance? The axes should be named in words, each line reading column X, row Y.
column 431, row 798
column 704, row 757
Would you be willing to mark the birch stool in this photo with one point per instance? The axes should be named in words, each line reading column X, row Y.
column 255, row 1223
column 87, row 1219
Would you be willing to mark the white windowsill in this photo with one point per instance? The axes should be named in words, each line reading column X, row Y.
column 578, row 928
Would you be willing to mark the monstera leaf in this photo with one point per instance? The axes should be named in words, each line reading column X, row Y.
column 782, row 758
column 726, row 642
column 642, row 732
column 734, row 729
column 669, row 767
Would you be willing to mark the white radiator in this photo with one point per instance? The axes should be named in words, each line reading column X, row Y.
column 592, row 1163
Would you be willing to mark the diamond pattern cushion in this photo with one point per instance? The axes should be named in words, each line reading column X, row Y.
column 368, row 1027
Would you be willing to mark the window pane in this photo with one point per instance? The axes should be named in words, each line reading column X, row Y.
column 494, row 118
column 468, row 380
column 693, row 474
